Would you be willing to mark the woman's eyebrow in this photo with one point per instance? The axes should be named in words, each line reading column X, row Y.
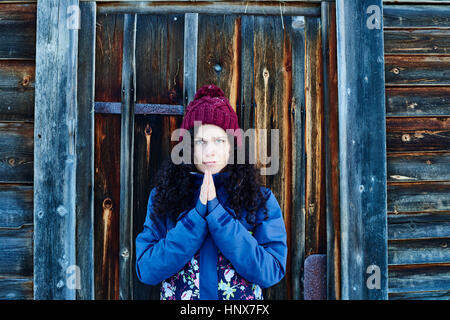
column 212, row 137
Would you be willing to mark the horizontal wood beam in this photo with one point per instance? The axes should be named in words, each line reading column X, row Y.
column 220, row 8
column 140, row 108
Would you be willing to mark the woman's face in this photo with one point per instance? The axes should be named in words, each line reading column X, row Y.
column 211, row 148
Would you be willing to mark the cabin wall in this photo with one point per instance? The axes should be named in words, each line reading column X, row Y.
column 17, row 73
column 417, row 73
column 417, row 64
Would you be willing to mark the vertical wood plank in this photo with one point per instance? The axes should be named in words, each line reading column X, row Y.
column 272, row 56
column 219, row 54
column 85, row 151
column 362, row 147
column 159, row 80
column 190, row 57
column 331, row 145
column 314, row 138
column 54, row 149
column 109, row 51
column 246, row 110
column 126, row 157
column 297, row 31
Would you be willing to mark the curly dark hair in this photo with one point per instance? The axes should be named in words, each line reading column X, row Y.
column 175, row 188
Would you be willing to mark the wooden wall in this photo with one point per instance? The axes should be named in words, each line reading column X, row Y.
column 417, row 70
column 17, row 73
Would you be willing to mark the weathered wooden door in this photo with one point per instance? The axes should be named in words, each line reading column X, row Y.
column 272, row 62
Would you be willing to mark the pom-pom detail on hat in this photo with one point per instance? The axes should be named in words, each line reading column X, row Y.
column 209, row 90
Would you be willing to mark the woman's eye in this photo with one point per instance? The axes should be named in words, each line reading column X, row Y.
column 199, row 141
column 220, row 140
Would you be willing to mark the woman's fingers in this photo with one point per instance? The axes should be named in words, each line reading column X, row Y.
column 211, row 187
column 204, row 190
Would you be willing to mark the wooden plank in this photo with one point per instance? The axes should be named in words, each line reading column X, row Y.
column 416, row 16
column 418, row 251
column 159, row 79
column 85, row 152
column 417, row 41
column 159, row 55
column 315, row 230
column 17, row 82
column 106, row 206
column 12, row 288
column 419, row 226
column 126, row 158
column 17, row 31
column 218, row 52
column 273, row 82
column 108, row 58
column 211, row 7
column 140, row 108
column 190, row 57
column 109, row 51
column 152, row 147
column 421, row 295
column 413, row 70
column 417, row 101
column 331, row 147
column 296, row 31
column 246, row 107
column 362, row 150
column 427, row 277
column 16, row 152
column 17, row 205
column 16, row 245
column 426, row 166
column 418, row 196
column 54, row 150
column 417, row 134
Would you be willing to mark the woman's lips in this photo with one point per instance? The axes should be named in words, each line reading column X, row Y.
column 209, row 163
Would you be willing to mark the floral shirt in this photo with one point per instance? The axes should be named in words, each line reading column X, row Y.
column 185, row 285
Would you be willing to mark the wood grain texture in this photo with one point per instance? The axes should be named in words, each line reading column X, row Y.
column 218, row 54
column 16, row 245
column 417, row 41
column 108, row 75
column 16, row 288
column 331, row 148
column 413, row 70
column 17, row 83
column 426, row 277
column 17, row 205
column 417, row 101
column 418, row 196
column 273, row 68
column 419, row 225
column 418, row 251
column 362, row 150
column 17, row 31
column 314, row 135
column 54, row 150
column 416, row 16
column 418, row 166
column 159, row 59
column 418, row 134
column 85, row 152
column 16, row 152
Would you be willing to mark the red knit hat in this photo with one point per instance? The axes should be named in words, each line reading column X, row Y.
column 211, row 107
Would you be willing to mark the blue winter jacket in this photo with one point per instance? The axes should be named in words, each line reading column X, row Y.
column 163, row 248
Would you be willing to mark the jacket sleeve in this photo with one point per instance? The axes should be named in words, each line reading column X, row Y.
column 160, row 253
column 259, row 258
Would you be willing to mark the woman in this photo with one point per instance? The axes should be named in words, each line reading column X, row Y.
column 212, row 231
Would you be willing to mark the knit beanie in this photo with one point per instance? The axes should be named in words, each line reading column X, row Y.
column 211, row 107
